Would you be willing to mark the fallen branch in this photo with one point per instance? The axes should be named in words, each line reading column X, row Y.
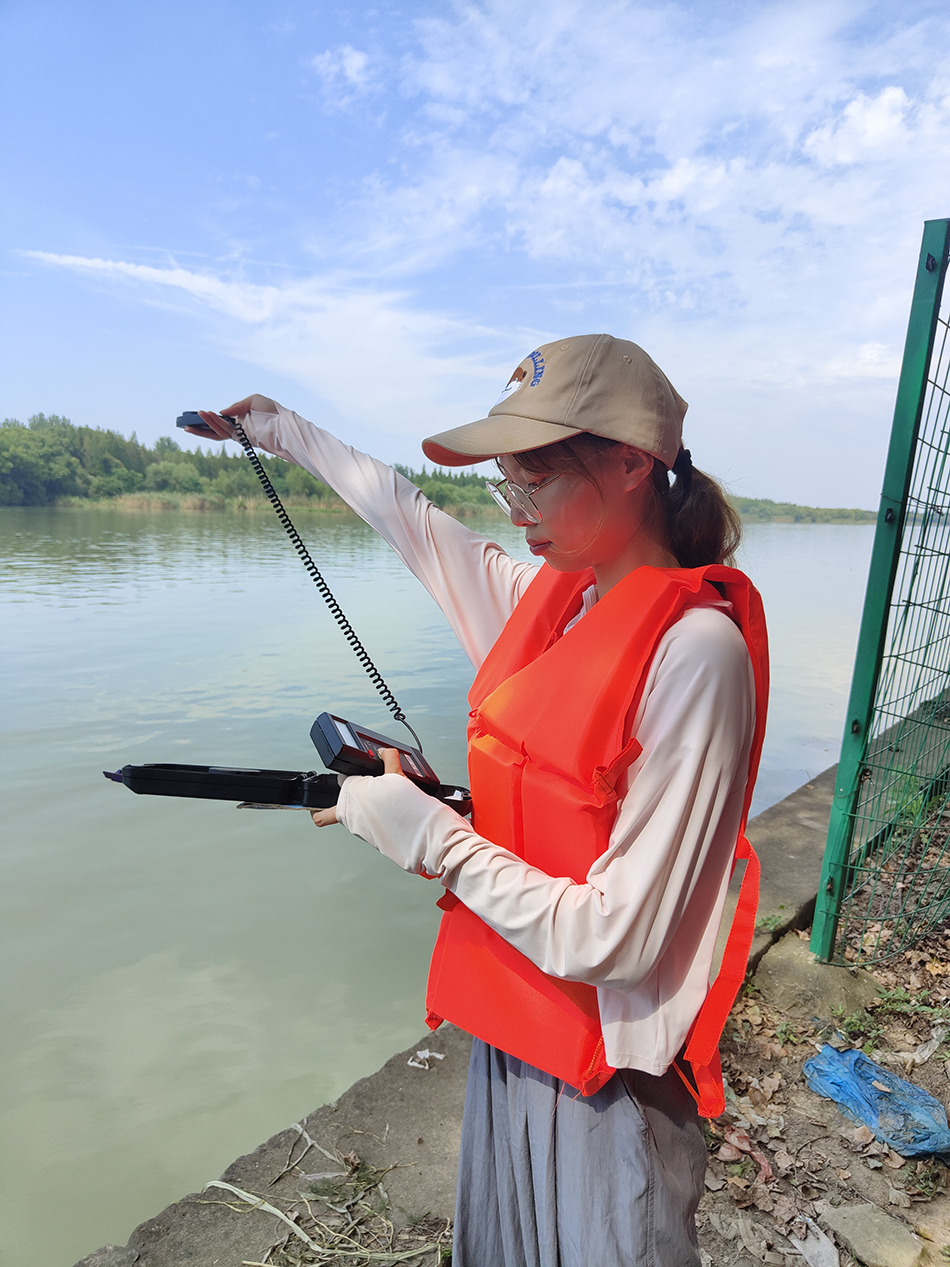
column 322, row 1251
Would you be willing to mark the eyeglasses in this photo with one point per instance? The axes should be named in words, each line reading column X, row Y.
column 511, row 496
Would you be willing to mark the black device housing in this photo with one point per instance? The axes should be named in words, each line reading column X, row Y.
column 349, row 748
column 260, row 787
column 224, row 783
column 193, row 419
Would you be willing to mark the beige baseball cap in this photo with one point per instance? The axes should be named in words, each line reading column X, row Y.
column 592, row 382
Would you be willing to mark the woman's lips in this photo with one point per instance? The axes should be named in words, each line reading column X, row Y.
column 538, row 547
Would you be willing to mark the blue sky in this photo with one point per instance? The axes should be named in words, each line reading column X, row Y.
column 373, row 213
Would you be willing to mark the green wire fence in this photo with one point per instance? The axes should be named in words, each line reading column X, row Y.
column 885, row 880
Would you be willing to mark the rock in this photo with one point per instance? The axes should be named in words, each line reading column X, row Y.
column 873, row 1237
column 110, row 1256
column 817, row 1249
column 794, row 982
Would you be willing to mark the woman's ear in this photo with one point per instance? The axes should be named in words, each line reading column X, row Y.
column 636, row 465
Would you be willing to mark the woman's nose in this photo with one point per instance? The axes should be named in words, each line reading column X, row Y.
column 519, row 518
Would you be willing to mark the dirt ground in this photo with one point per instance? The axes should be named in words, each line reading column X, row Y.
column 779, row 1159
column 782, row 1155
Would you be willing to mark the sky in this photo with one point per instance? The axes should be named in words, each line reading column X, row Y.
column 372, row 214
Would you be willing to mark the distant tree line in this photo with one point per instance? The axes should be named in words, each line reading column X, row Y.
column 47, row 459
column 761, row 510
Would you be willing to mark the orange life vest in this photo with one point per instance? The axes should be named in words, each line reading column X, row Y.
column 549, row 738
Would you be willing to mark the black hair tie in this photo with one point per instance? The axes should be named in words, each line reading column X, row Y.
column 683, row 470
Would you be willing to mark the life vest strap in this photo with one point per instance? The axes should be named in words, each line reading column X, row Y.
column 702, row 1048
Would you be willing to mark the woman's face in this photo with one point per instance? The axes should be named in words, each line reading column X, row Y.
column 585, row 524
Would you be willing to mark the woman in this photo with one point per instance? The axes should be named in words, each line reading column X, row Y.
column 616, row 719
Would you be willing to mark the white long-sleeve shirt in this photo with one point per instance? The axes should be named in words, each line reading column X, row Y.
column 642, row 927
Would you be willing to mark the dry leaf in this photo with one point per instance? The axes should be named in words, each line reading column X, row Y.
column 898, row 1197
column 729, row 1152
column 784, row 1160
column 862, row 1136
column 762, row 1198
column 713, row 1182
column 880, row 1086
column 782, row 1209
column 728, row 1228
column 843, row 1175
column 894, row 1160
column 738, row 1138
column 765, row 1170
column 754, row 1237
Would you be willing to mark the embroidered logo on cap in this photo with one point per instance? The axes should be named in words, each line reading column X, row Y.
column 516, row 382
column 513, row 384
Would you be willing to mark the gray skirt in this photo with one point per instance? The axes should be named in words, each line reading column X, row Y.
column 550, row 1178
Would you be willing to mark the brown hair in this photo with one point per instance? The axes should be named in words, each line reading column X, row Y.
column 701, row 526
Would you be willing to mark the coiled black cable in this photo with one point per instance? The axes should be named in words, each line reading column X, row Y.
column 349, row 633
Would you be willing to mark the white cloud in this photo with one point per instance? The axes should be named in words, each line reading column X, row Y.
column 866, row 129
column 345, row 73
column 369, row 353
column 870, row 360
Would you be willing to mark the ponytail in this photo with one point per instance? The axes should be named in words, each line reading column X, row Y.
column 701, row 526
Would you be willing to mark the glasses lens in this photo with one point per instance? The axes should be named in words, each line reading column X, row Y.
column 523, row 503
column 498, row 495
column 510, row 497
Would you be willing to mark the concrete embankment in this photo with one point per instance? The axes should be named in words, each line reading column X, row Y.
column 409, row 1118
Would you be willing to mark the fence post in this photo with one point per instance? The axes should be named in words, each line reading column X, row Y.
column 925, row 307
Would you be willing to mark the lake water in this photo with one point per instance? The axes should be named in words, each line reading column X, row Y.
column 181, row 979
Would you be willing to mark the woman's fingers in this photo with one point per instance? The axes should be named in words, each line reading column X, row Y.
column 260, row 405
column 391, row 765
column 391, row 762
column 220, row 428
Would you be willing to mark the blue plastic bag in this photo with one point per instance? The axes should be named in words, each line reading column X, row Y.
column 906, row 1117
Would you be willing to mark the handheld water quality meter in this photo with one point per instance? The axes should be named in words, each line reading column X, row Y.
column 351, row 749
column 344, row 746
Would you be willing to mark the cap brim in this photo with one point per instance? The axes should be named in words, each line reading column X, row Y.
column 490, row 437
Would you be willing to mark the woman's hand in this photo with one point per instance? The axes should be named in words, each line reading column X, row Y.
column 391, row 765
column 219, row 426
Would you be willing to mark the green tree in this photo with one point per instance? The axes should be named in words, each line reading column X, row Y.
column 36, row 463
column 175, row 477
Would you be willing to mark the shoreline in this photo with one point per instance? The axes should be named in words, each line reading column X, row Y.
column 197, row 503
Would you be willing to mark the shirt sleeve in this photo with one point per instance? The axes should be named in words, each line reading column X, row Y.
column 474, row 581
column 672, row 841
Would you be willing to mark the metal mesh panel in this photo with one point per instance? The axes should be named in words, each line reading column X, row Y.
column 895, row 863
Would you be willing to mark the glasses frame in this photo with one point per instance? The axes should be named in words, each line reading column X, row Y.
column 510, row 496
